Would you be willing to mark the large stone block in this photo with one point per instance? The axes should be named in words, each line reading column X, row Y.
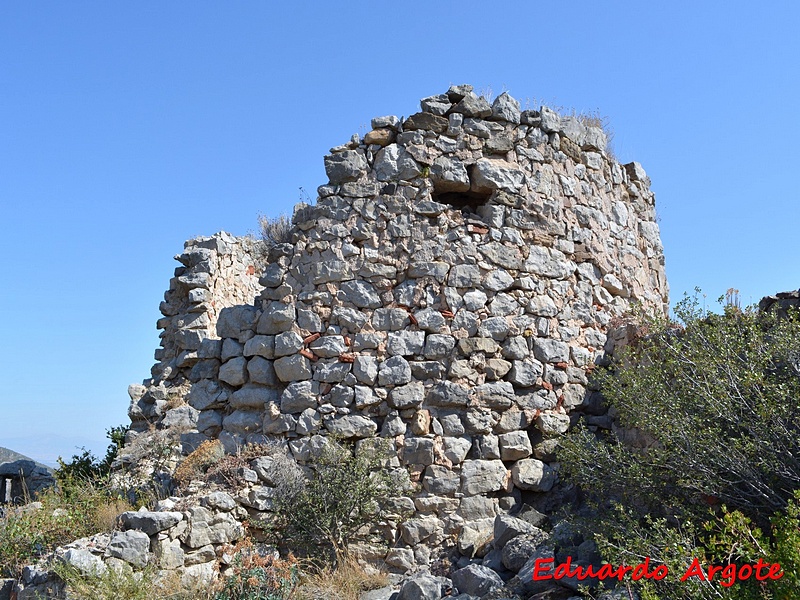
column 483, row 476
column 532, row 474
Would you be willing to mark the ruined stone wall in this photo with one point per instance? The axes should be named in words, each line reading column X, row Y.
column 216, row 272
column 450, row 291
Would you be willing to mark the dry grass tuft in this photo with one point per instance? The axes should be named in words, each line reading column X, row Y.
column 347, row 582
column 198, row 462
column 275, row 230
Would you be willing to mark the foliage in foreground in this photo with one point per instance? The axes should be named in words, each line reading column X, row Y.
column 718, row 403
column 76, row 509
column 255, row 574
column 259, row 576
column 86, row 466
column 348, row 581
column 81, row 504
column 345, row 493
column 110, row 584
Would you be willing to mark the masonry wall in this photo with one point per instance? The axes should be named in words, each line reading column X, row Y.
column 450, row 291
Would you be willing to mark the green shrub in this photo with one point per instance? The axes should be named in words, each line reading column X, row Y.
column 345, row 494
column 717, row 400
column 75, row 509
column 714, row 403
column 87, row 466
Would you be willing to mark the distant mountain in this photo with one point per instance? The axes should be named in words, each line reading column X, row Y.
column 7, row 456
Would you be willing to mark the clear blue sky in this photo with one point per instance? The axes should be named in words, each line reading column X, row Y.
column 126, row 128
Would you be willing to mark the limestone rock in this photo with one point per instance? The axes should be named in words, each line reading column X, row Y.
column 130, row 546
column 533, row 474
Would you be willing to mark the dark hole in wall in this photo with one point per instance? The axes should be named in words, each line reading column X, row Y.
column 465, row 201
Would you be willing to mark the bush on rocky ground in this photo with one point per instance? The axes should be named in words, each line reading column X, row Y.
column 345, row 493
column 75, row 509
column 706, row 456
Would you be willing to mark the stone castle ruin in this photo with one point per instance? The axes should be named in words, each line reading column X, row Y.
column 450, row 292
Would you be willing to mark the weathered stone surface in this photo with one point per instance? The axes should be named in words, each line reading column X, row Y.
column 449, row 175
column 426, row 121
column 381, row 137
column 472, row 105
column 332, row 372
column 482, row 476
column 476, row 580
column 260, row 345
column 329, row 346
column 417, row 530
column 293, row 368
column 276, row 318
column 515, row 445
column 182, row 417
column 361, row 293
column 506, row 108
column 86, row 563
column 130, row 546
column 393, row 163
column 349, row 165
column 287, row 343
column 352, row 426
column 477, row 344
column 402, row 559
column 506, row 528
column 464, row 276
column 234, row 372
column 518, row 550
column 407, row 396
column 235, row 320
column 389, row 121
column 405, row 343
column 418, row 451
column 549, row 350
column 550, row 120
column 552, row 424
column 456, row 448
column 365, row 368
column 243, row 421
column 438, row 346
column 492, row 174
column 525, row 373
column 219, row 501
column 548, row 262
column 447, row 393
column 502, row 255
column 394, row 371
column 533, row 474
column 440, row 480
column 253, row 397
column 478, row 508
column 150, row 522
column 260, row 370
column 299, row 396
column 390, row 319
column 420, row 587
